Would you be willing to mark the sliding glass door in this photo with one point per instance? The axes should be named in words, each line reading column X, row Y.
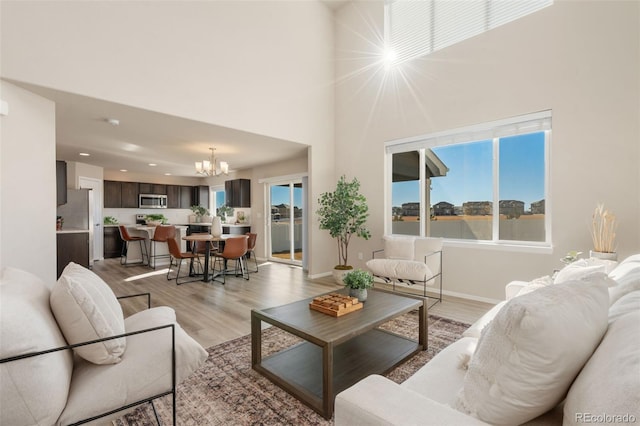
column 286, row 221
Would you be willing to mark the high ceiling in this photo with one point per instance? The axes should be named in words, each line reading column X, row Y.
column 143, row 137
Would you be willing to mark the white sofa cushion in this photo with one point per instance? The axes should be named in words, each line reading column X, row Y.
column 33, row 390
column 475, row 330
column 576, row 271
column 86, row 309
column 627, row 271
column 626, row 304
column 609, row 384
column 530, row 353
column 399, row 247
column 145, row 369
column 399, row 269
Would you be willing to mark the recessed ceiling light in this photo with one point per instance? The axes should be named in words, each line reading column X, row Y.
column 152, row 164
column 84, row 154
column 167, row 174
column 113, row 121
column 124, row 170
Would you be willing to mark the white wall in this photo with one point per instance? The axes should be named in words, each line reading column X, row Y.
column 580, row 59
column 260, row 66
column 28, row 179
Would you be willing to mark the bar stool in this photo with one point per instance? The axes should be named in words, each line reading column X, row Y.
column 161, row 234
column 127, row 238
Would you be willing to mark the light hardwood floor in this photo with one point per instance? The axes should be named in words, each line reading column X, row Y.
column 213, row 313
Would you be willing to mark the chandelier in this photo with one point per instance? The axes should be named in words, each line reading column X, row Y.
column 210, row 167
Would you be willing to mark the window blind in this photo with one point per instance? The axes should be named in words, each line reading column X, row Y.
column 416, row 28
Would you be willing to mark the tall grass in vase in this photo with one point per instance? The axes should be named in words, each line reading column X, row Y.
column 603, row 232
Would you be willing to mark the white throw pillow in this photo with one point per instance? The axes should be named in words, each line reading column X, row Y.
column 399, row 269
column 399, row 247
column 530, row 353
column 609, row 384
column 576, row 271
column 33, row 391
column 86, row 309
column 628, row 303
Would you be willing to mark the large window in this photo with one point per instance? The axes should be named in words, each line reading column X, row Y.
column 483, row 183
column 415, row 28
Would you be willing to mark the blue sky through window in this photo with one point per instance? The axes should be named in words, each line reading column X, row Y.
column 470, row 176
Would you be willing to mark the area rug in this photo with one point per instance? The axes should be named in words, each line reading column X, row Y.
column 226, row 391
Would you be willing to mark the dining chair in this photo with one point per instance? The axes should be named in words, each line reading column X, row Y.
column 200, row 247
column 251, row 245
column 160, row 235
column 124, row 253
column 179, row 256
column 235, row 248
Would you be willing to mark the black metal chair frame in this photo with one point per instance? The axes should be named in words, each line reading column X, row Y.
column 150, row 399
column 424, row 282
column 247, row 255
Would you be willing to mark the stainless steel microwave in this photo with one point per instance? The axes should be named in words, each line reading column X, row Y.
column 153, row 201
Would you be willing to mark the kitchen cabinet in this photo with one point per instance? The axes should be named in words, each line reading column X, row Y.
column 201, row 196
column 72, row 247
column 186, row 197
column 173, row 196
column 152, row 188
column 129, row 195
column 238, row 192
column 112, row 242
column 120, row 194
column 236, row 230
column 61, row 182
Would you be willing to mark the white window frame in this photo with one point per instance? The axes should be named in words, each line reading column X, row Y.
column 524, row 124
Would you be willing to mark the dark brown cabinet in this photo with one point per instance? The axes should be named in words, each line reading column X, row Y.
column 120, row 194
column 112, row 242
column 173, row 196
column 152, row 188
column 186, row 197
column 201, row 196
column 72, row 247
column 238, row 192
column 129, row 196
column 61, row 182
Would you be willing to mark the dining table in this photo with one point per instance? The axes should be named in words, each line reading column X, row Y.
column 208, row 238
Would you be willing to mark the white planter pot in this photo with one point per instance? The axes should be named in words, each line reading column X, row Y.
column 338, row 275
column 216, row 226
column 603, row 256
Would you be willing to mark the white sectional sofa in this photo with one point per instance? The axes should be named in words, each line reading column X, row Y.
column 127, row 366
column 563, row 351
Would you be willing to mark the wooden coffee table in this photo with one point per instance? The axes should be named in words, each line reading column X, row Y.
column 336, row 352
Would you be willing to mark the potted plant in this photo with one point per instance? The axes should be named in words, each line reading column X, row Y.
column 358, row 281
column 603, row 234
column 344, row 213
column 155, row 219
column 225, row 211
column 199, row 212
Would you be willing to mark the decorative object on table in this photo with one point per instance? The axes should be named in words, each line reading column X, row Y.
column 358, row 281
column 110, row 220
column 59, row 223
column 216, row 226
column 603, row 234
column 335, row 304
column 225, row 211
column 155, row 219
column 344, row 213
column 240, row 218
column 200, row 212
column 571, row 257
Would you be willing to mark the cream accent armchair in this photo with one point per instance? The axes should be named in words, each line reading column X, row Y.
column 406, row 261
